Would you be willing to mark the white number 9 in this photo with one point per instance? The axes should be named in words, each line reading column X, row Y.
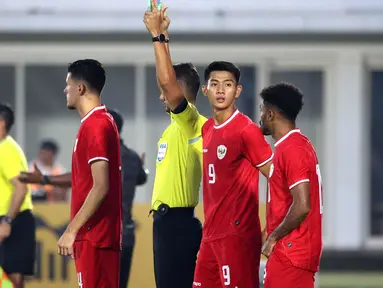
column 226, row 274
column 211, row 174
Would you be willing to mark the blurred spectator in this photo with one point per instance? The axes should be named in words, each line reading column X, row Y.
column 47, row 164
column 133, row 174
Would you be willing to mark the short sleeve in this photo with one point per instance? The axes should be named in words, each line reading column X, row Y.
column 256, row 148
column 296, row 164
column 97, row 135
column 14, row 163
column 190, row 122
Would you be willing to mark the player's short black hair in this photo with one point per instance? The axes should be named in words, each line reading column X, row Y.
column 285, row 97
column 223, row 66
column 7, row 114
column 90, row 71
column 118, row 119
column 50, row 145
column 188, row 73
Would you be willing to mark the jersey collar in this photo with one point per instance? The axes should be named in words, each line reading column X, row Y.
column 101, row 107
column 228, row 120
column 286, row 136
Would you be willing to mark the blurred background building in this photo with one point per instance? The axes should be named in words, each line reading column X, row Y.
column 331, row 49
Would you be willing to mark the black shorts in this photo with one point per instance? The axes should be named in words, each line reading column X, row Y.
column 18, row 251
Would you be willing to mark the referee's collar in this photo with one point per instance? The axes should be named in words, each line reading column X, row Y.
column 101, row 107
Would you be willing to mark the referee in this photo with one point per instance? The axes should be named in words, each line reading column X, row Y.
column 176, row 232
column 17, row 224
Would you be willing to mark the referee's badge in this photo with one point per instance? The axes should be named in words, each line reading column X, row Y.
column 221, row 151
column 162, row 151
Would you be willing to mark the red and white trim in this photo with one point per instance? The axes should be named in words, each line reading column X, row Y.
column 286, row 136
column 227, row 121
column 299, row 182
column 265, row 162
column 102, row 107
column 98, row 159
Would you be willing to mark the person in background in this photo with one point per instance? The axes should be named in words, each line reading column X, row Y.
column 17, row 223
column 133, row 174
column 47, row 164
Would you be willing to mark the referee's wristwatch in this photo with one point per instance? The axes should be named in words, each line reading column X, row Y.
column 7, row 220
column 161, row 38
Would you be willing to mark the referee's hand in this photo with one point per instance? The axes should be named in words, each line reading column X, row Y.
column 65, row 244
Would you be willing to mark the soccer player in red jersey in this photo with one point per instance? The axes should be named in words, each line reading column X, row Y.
column 294, row 200
column 234, row 151
column 93, row 237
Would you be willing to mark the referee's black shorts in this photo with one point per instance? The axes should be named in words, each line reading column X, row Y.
column 18, row 251
column 176, row 239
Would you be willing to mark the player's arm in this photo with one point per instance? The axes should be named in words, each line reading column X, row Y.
column 36, row 177
column 100, row 175
column 296, row 170
column 256, row 148
column 166, row 75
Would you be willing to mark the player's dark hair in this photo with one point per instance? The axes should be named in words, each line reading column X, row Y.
column 50, row 145
column 188, row 73
column 287, row 98
column 223, row 66
column 118, row 119
column 90, row 71
column 7, row 114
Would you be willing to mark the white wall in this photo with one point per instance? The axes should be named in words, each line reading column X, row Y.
column 211, row 15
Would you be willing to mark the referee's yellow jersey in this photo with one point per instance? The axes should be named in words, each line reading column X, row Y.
column 179, row 161
column 12, row 162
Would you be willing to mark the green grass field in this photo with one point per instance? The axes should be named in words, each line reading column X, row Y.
column 350, row 280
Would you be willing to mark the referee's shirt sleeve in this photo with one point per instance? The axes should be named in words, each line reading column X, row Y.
column 13, row 164
column 187, row 117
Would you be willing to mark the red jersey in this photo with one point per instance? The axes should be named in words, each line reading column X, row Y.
column 231, row 153
column 295, row 162
column 98, row 139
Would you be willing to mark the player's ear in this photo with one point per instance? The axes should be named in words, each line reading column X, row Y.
column 270, row 115
column 82, row 88
column 239, row 91
column 204, row 90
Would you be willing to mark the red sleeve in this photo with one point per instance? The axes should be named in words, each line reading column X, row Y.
column 97, row 134
column 296, row 165
column 256, row 148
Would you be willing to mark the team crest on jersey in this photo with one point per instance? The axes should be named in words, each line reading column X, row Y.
column 162, row 151
column 221, row 151
column 271, row 170
column 75, row 145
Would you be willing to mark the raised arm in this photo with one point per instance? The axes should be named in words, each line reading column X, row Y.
column 157, row 23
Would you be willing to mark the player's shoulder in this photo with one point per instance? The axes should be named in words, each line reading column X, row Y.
column 296, row 143
column 100, row 119
column 209, row 124
column 245, row 125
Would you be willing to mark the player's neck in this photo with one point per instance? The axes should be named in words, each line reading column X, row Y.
column 282, row 131
column 220, row 116
column 88, row 105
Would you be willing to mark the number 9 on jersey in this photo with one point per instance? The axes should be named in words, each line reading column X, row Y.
column 211, row 174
